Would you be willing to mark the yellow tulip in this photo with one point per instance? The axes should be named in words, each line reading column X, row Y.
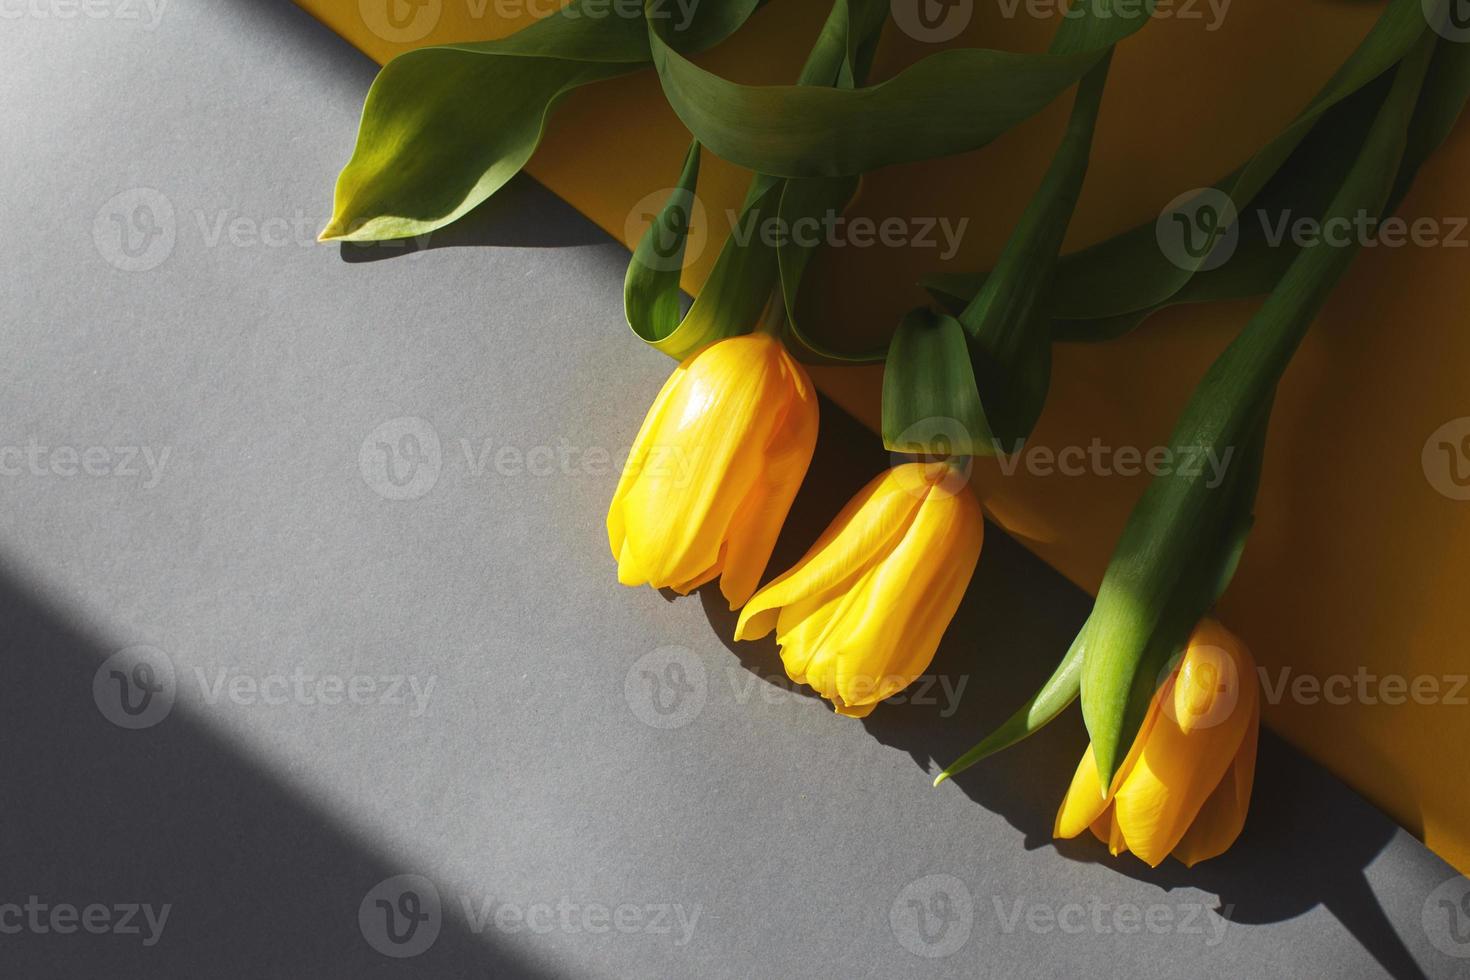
column 859, row 618
column 1186, row 784
column 714, row 469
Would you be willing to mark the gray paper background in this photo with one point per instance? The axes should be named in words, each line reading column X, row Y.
column 369, row 464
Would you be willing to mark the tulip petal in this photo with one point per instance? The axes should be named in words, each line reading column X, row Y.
column 1090, row 802
column 637, row 456
column 710, row 442
column 1178, row 769
column 629, row 571
column 861, row 530
column 868, row 639
column 1222, row 817
column 1106, row 829
column 1084, row 801
column 757, row 522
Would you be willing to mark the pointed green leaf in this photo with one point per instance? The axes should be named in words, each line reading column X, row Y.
column 445, row 127
column 930, row 403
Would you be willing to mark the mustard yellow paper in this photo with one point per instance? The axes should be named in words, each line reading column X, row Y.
column 1352, row 591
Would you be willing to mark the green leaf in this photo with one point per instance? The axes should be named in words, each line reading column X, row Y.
column 808, row 203
column 1133, row 626
column 1008, row 319
column 841, row 57
column 930, row 402
column 651, row 297
column 955, row 100
column 738, row 289
column 1051, row 700
column 445, row 127
column 752, row 263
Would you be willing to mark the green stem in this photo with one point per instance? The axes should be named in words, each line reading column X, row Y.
column 1156, row 546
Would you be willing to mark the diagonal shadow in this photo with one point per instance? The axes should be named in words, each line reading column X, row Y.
column 1309, row 837
column 258, row 882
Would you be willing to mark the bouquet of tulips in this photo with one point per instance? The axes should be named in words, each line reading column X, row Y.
column 1169, row 696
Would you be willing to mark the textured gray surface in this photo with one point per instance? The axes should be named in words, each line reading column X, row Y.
column 570, row 825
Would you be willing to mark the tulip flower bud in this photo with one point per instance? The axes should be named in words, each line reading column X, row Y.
column 714, row 469
column 1186, row 783
column 859, row 617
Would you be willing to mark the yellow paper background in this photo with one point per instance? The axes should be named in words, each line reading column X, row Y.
column 1358, row 564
